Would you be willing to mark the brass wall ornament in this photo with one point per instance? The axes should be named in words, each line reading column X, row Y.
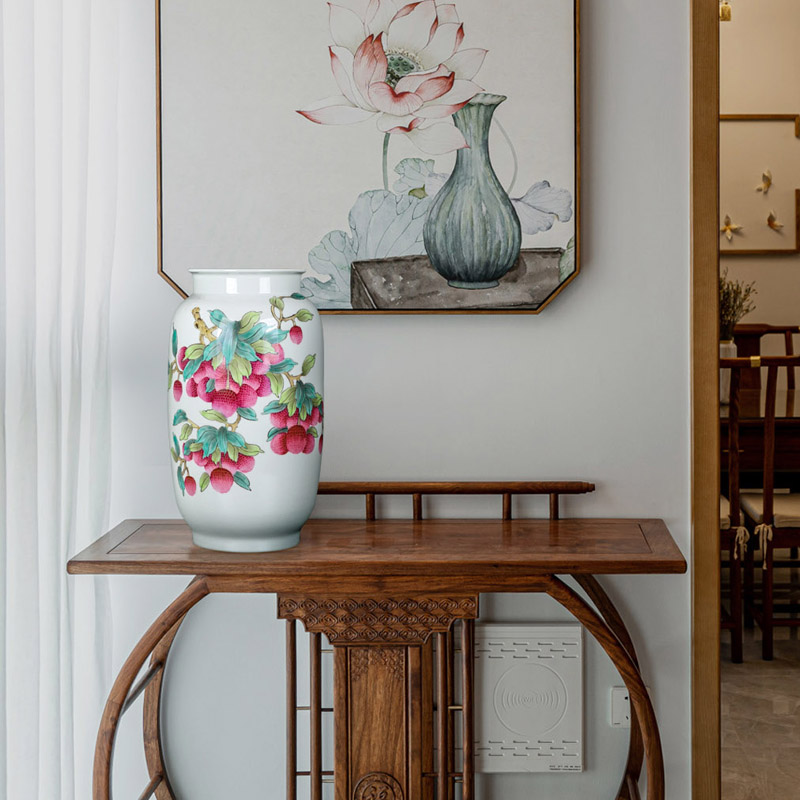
column 729, row 228
column 772, row 221
column 725, row 11
column 766, row 182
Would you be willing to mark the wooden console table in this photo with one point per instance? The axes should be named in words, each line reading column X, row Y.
column 383, row 591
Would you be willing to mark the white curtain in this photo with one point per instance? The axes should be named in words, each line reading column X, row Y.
column 58, row 172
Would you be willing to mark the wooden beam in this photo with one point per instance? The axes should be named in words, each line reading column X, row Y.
column 706, row 776
column 291, row 710
column 315, row 656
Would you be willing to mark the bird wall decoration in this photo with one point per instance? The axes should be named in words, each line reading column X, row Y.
column 773, row 223
column 729, row 228
column 766, row 182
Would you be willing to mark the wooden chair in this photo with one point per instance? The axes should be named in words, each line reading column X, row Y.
column 733, row 536
column 787, row 331
column 748, row 338
column 773, row 518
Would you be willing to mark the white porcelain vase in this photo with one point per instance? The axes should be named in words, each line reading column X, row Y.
column 727, row 349
column 246, row 409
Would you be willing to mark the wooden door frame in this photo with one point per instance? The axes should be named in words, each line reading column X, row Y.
column 706, row 771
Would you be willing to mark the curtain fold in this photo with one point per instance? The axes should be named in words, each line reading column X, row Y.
column 58, row 173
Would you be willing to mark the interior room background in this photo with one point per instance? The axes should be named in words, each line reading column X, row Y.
column 758, row 58
column 595, row 388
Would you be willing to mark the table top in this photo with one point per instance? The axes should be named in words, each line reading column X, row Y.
column 493, row 554
column 751, row 408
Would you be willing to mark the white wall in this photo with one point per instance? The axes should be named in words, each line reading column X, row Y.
column 759, row 64
column 601, row 381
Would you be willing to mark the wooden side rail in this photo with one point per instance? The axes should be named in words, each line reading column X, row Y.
column 417, row 490
column 458, row 487
column 758, row 361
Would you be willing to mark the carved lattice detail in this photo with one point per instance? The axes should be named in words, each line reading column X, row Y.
column 346, row 620
column 392, row 659
column 378, row 786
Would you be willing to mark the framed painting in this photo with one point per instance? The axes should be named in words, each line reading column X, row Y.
column 416, row 157
column 759, row 194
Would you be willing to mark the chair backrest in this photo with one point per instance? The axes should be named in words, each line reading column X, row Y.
column 787, row 332
column 738, row 366
column 554, row 489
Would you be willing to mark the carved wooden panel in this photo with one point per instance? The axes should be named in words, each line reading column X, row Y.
column 391, row 659
column 378, row 786
column 401, row 620
column 374, row 722
column 383, row 726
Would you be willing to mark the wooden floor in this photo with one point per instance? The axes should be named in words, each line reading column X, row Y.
column 761, row 720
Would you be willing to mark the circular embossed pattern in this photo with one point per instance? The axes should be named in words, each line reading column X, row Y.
column 530, row 699
column 378, row 786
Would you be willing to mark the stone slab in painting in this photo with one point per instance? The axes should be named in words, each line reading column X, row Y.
column 410, row 283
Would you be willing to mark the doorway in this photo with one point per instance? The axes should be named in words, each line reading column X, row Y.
column 706, row 770
column 768, row 251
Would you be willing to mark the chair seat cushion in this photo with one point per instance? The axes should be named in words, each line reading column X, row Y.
column 724, row 513
column 786, row 509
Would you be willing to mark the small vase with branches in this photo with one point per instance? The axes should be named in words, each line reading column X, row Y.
column 735, row 302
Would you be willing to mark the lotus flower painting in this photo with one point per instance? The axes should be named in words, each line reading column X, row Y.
column 416, row 156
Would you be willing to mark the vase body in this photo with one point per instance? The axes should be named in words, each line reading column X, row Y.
column 472, row 234
column 727, row 349
column 246, row 409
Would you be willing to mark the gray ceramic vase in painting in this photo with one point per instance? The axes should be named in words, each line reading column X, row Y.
column 472, row 233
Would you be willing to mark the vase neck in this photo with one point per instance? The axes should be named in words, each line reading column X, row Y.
column 474, row 120
column 280, row 282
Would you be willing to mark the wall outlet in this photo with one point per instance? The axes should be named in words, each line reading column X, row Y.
column 620, row 707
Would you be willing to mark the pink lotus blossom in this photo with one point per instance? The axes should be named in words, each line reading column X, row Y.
column 403, row 66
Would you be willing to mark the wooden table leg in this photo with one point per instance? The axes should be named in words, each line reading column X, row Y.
column 378, row 727
column 122, row 694
column 629, row 788
column 153, row 748
column 629, row 671
column 383, row 726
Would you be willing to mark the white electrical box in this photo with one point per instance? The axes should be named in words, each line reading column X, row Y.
column 528, row 698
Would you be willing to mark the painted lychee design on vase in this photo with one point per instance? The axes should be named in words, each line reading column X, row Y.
column 233, row 364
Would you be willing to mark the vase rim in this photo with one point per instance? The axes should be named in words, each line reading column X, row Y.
column 487, row 99
column 245, row 271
